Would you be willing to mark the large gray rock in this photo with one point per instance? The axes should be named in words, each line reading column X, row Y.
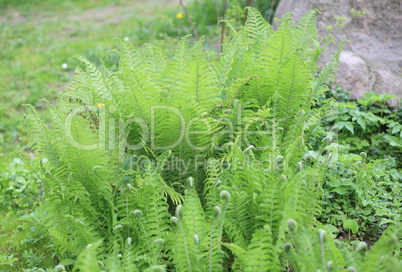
column 354, row 74
column 372, row 60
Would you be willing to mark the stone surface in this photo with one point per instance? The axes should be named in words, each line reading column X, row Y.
column 388, row 82
column 372, row 60
column 354, row 74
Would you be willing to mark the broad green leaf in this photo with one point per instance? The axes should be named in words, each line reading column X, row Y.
column 351, row 225
column 394, row 140
column 349, row 126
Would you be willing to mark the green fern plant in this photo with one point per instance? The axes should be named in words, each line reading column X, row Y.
column 315, row 251
column 183, row 164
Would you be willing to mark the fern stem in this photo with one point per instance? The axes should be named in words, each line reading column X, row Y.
column 220, row 215
column 210, row 242
column 143, row 229
column 321, row 234
column 185, row 245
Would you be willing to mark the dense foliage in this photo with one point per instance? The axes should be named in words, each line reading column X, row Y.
column 188, row 164
column 368, row 124
column 191, row 163
column 364, row 183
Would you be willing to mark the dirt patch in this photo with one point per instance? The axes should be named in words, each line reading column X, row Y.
column 14, row 18
column 117, row 13
column 104, row 15
column 99, row 15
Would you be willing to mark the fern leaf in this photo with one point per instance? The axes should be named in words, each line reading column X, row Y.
column 94, row 80
column 271, row 205
column 240, row 252
column 191, row 231
column 176, row 66
column 230, row 66
column 87, row 260
column 380, row 258
column 258, row 29
column 199, row 80
column 306, row 30
column 261, row 255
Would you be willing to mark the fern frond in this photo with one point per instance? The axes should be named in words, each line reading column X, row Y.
column 156, row 62
column 380, row 258
column 298, row 195
column 42, row 138
column 94, row 80
column 311, row 251
column 176, row 65
column 193, row 214
column 130, row 57
column 271, row 205
column 211, row 184
column 230, row 66
column 213, row 259
column 240, row 253
column 79, row 87
column 192, row 229
column 239, row 218
column 326, row 75
column 258, row 29
column 155, row 219
column 305, row 34
column 199, row 81
column 87, row 260
column 261, row 255
column 234, row 90
column 128, row 259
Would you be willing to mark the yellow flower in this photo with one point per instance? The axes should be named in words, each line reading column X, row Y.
column 100, row 105
column 179, row 15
